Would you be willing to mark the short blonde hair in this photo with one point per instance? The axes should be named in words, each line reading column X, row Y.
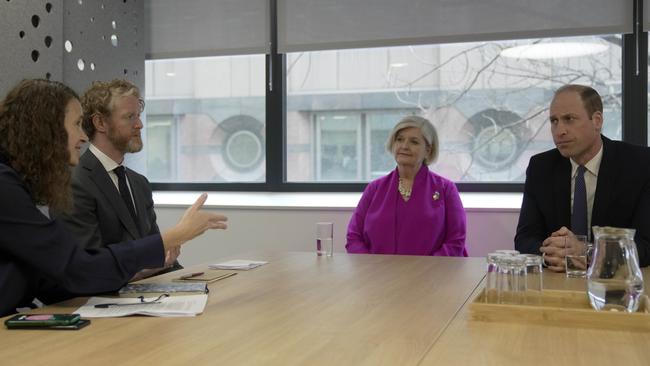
column 426, row 128
column 100, row 99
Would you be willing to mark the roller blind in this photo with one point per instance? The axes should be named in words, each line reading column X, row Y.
column 305, row 25
column 192, row 28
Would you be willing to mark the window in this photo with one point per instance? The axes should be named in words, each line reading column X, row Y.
column 161, row 148
column 488, row 100
column 206, row 119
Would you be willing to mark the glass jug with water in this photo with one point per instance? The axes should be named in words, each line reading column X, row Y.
column 614, row 279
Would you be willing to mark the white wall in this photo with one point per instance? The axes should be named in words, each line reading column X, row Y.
column 294, row 229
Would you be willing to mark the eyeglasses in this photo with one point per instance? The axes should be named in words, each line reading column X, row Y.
column 157, row 300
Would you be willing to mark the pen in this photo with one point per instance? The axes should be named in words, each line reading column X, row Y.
column 190, row 275
column 142, row 302
column 112, row 304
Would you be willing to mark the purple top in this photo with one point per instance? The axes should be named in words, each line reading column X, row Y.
column 431, row 222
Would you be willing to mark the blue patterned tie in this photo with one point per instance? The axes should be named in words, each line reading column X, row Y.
column 579, row 215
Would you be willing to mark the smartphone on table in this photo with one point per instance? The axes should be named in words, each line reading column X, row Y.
column 46, row 321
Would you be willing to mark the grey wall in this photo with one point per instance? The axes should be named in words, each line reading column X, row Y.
column 91, row 26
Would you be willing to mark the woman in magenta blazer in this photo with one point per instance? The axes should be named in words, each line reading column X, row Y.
column 412, row 210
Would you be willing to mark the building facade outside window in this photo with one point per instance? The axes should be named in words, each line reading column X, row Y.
column 206, row 116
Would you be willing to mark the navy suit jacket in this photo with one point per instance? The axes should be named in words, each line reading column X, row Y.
column 622, row 197
column 99, row 215
column 35, row 249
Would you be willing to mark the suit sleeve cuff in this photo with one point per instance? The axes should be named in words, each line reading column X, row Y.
column 149, row 252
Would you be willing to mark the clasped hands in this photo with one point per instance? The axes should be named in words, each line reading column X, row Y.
column 554, row 249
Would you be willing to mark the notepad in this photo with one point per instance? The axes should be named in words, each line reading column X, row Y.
column 238, row 264
column 168, row 287
column 172, row 306
column 208, row 276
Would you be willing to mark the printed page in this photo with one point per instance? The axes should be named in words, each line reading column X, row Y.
column 190, row 305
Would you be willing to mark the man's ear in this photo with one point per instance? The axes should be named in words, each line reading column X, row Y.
column 597, row 117
column 99, row 122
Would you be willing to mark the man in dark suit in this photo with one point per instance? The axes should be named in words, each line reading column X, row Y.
column 608, row 180
column 112, row 203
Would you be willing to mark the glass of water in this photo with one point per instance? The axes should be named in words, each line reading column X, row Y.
column 576, row 256
column 324, row 239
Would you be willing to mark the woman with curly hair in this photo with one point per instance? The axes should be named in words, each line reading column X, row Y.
column 40, row 138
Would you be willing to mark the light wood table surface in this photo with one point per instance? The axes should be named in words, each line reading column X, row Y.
column 471, row 342
column 299, row 309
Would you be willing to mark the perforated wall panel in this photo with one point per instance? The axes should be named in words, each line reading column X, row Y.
column 105, row 41
column 30, row 41
column 74, row 41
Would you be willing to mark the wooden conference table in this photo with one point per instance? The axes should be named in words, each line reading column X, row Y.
column 347, row 310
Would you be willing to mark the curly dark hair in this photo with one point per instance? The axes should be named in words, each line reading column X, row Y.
column 34, row 140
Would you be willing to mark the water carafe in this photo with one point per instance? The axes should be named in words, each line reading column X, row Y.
column 614, row 279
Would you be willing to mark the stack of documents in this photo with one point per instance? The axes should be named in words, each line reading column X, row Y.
column 243, row 264
column 190, row 305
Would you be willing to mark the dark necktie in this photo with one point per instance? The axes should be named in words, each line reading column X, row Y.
column 579, row 215
column 124, row 191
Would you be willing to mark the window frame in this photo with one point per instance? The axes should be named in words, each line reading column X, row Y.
column 634, row 109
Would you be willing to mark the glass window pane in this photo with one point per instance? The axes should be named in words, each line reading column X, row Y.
column 488, row 100
column 380, row 123
column 215, row 109
column 160, row 153
column 338, row 146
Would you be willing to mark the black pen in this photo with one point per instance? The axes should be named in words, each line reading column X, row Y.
column 142, row 302
column 110, row 304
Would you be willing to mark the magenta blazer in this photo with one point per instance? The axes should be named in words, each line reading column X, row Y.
column 432, row 222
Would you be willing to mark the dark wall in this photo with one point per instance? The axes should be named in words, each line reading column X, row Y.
column 106, row 39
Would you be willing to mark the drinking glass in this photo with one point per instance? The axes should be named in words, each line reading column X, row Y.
column 534, row 283
column 324, row 239
column 512, row 279
column 491, row 285
column 507, row 251
column 576, row 256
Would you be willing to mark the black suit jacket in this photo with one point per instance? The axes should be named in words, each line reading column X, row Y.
column 35, row 249
column 622, row 197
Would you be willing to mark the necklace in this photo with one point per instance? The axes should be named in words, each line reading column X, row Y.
column 405, row 192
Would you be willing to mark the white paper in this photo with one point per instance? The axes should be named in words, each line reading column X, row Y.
column 189, row 305
column 243, row 264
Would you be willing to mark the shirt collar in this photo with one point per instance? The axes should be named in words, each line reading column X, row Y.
column 592, row 166
column 108, row 163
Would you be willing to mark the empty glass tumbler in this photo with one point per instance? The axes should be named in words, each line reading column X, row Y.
column 534, row 281
column 511, row 279
column 491, row 278
column 507, row 251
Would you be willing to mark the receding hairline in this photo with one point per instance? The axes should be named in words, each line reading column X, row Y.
column 591, row 100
